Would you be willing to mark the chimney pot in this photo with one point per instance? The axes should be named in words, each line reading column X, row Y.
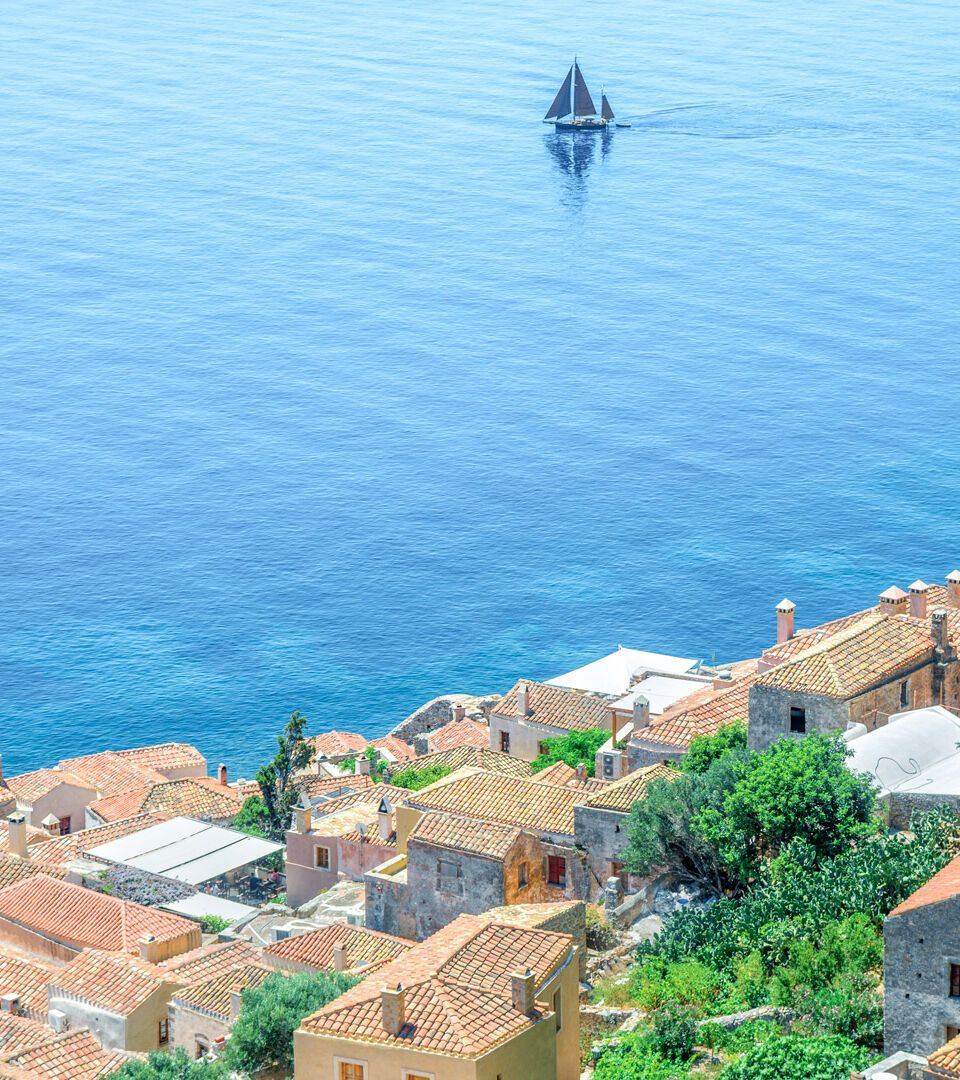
column 523, row 699
column 392, row 1007
column 581, row 772
column 363, row 766
column 523, row 991
column 303, row 815
column 339, row 958
column 385, row 819
column 785, row 612
column 17, row 835
column 236, row 1003
column 149, row 949
column 458, row 711
column 953, row 588
column 940, row 630
column 222, row 774
column 918, row 599
column 641, row 712
column 893, row 601
column 723, row 679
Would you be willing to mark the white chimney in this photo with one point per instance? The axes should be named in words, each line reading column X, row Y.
column 523, row 699
column 339, row 958
column 17, row 834
column 385, row 819
column 722, row 679
column 893, row 601
column 236, row 1003
column 363, row 766
column 953, row 588
column 393, row 1009
column 523, row 991
column 785, row 612
column 918, row 599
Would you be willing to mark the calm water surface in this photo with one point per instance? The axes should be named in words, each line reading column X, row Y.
column 334, row 380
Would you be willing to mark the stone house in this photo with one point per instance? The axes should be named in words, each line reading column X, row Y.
column 50, row 799
column 356, row 950
column 532, row 712
column 477, row 1000
column 921, row 964
column 31, row 1051
column 199, row 1016
column 336, row 747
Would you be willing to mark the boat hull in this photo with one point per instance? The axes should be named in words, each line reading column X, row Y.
column 581, row 125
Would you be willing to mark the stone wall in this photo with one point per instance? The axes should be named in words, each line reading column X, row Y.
column 603, row 836
column 900, row 806
column 641, row 754
column 769, row 714
column 437, row 899
column 434, row 714
column 387, row 906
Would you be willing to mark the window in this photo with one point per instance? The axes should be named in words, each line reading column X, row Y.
column 557, row 871
column 350, row 1070
column 955, row 980
column 522, row 877
column 505, row 742
column 321, row 856
column 164, row 1032
column 449, row 877
column 798, row 719
column 557, row 1010
column 408, row 1075
column 64, row 824
column 904, row 694
column 201, row 1048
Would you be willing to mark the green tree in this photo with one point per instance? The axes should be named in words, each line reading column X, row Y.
column 253, row 817
column 175, row 1066
column 276, row 779
column 796, row 1058
column 415, row 779
column 576, row 748
column 704, row 750
column 796, row 788
column 262, row 1034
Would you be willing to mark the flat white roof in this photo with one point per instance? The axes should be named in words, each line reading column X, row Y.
column 913, row 751
column 187, row 850
column 614, row 674
column 661, row 691
column 201, row 905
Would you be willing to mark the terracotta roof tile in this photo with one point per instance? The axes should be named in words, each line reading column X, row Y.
column 28, row 978
column 365, row 949
column 35, row 837
column 110, row 773
column 74, row 1056
column 463, row 732
column 64, row 849
column 622, row 794
column 942, row 886
column 18, row 1033
column 556, row 707
column 166, row 757
column 207, row 962
column 32, row 786
column 465, row 834
column 14, row 869
column 400, row 750
column 703, row 712
column 565, row 775
column 338, row 744
column 213, row 995
column 192, row 796
column 945, row 1062
column 471, row 757
column 82, row 918
column 315, row 786
column 112, row 981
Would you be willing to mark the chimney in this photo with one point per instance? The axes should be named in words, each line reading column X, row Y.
column 17, row 835
column 150, row 949
column 953, row 588
column 303, row 815
column 51, row 824
column 785, row 610
column 918, row 599
column 641, row 712
column 523, row 699
column 392, row 1009
column 236, row 1003
column 581, row 773
column 522, row 991
column 940, row 630
column 722, row 679
column 385, row 819
column 893, row 601
column 363, row 766
column 222, row 774
column 459, row 710
column 339, row 958
column 3, row 782
column 10, row 1003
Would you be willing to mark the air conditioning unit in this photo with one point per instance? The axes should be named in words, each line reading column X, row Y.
column 57, row 1020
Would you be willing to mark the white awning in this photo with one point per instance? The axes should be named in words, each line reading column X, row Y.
column 616, row 673
column 200, row 906
column 187, row 850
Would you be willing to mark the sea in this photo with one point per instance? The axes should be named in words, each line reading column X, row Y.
column 334, row 380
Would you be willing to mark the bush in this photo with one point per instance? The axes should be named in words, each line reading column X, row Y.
column 656, row 983
column 177, row 1066
column 577, row 748
column 214, row 924
column 633, row 1057
column 415, row 779
column 601, row 935
column 674, row 1032
column 704, row 750
column 794, row 1058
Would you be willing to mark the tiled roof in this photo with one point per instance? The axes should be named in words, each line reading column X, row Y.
column 702, row 713
column 942, row 886
column 853, row 660
column 457, row 990
column 64, row 849
column 465, row 834
column 74, row 1056
column 508, row 800
column 368, row 797
column 246, row 788
column 18, row 1033
column 35, row 837
column 213, row 995
column 343, row 816
column 14, row 869
column 463, row 732
column 28, row 979
column 532, row 915
column 314, row 786
column 365, row 949
column 193, row 796
column 400, row 750
column 112, row 981
column 471, row 757
column 110, row 773
column 81, row 917
column 338, row 744
column 945, row 1062
column 32, row 786
column 565, row 775
column 166, row 757
column 556, row 707
column 622, row 794
column 209, row 961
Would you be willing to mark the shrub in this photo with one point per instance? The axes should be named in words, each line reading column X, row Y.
column 633, row 1057
column 414, row 778
column 689, row 983
column 214, row 924
column 177, row 1066
column 704, row 750
column 674, row 1032
column 601, row 935
column 577, row 748
column 792, row 1057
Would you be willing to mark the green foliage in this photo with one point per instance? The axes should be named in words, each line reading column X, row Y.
column 704, row 750
column 575, row 748
column 795, row 1058
column 253, row 817
column 262, row 1034
column 674, row 1032
column 293, row 755
column 601, row 935
column 633, row 1057
column 851, row 1007
column 414, row 778
column 214, row 924
column 177, row 1066
column 796, row 788
column 655, row 984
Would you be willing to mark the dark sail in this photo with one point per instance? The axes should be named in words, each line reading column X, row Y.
column 561, row 103
column 606, row 111
column 582, row 101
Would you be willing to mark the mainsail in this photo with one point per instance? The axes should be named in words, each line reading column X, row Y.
column 561, row 103
column 582, row 101
column 606, row 111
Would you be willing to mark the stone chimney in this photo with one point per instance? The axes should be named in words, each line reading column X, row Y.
column 953, row 588
column 51, row 824
column 236, row 1003
column 458, row 712
column 641, row 712
column 364, row 765
column 581, row 773
column 222, row 774
column 893, row 601
column 303, row 815
column 339, row 958
column 150, row 949
column 523, row 991
column 940, row 630
column 523, row 699
column 17, row 833
column 785, row 611
column 385, row 819
column 392, row 1008
column 918, row 599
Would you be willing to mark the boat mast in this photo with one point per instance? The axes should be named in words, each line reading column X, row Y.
column 573, row 91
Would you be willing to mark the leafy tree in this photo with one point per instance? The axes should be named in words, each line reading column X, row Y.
column 795, row 1058
column 253, row 817
column 575, row 748
column 276, row 778
column 796, row 788
column 214, row 924
column 415, row 779
column 177, row 1066
column 704, row 750
column 262, row 1034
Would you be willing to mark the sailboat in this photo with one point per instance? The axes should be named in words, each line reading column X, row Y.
column 573, row 108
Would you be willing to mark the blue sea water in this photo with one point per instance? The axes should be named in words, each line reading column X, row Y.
column 333, row 380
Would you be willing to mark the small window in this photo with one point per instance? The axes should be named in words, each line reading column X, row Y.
column 64, row 825
column 321, row 857
column 557, row 1010
column 407, row 1075
column 557, row 871
column 505, row 742
column 522, row 877
column 955, row 980
column 164, row 1032
column 351, row 1070
column 798, row 720
column 904, row 694
column 201, row 1048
